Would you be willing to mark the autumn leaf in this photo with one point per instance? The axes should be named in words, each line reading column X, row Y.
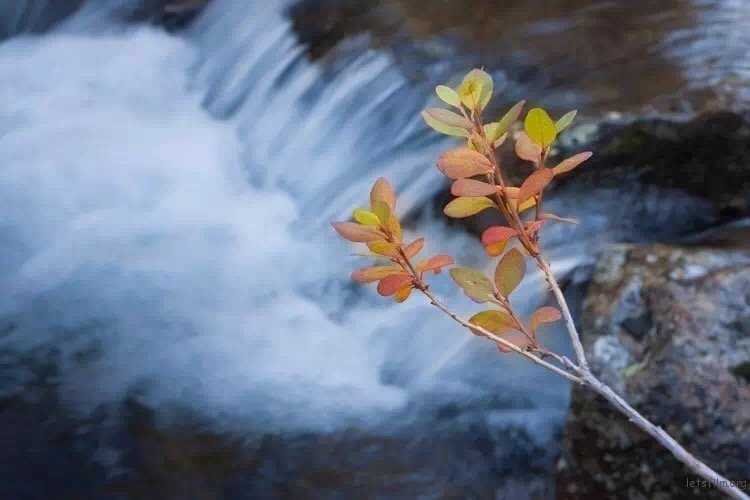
column 527, row 150
column 394, row 227
column 540, row 128
column 471, row 187
column 383, row 191
column 495, row 234
column 393, row 283
column 509, row 272
column 403, row 293
column 535, row 183
column 375, row 273
column 463, row 162
column 465, row 206
column 382, row 247
column 475, row 90
column 356, row 232
column 570, row 163
column 366, row 217
column 447, row 122
column 565, row 121
column 448, row 95
column 494, row 321
column 474, row 283
column 543, row 315
column 435, row 264
column 414, row 248
column 516, row 338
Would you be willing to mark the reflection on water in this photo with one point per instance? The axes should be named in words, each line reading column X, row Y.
column 623, row 55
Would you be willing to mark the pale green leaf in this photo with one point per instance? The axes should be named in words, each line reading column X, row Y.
column 366, row 217
column 474, row 284
column 448, row 95
column 447, row 122
column 565, row 121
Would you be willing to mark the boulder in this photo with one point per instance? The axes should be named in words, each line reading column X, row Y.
column 668, row 328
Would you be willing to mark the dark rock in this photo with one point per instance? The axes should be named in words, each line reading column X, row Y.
column 666, row 327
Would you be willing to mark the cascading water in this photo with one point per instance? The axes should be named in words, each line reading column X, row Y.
column 166, row 235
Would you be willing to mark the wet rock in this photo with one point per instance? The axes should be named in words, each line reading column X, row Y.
column 668, row 328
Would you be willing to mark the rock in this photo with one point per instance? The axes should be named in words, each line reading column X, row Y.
column 669, row 329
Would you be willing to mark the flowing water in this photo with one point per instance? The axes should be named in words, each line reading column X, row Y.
column 165, row 229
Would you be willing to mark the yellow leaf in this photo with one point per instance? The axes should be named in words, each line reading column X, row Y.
column 495, row 249
column 466, row 206
column 509, row 272
column 403, row 293
column 497, row 322
column 540, row 128
column 394, row 227
column 448, row 95
column 475, row 90
column 474, row 283
column 382, row 211
column 366, row 217
column 382, row 247
column 447, row 122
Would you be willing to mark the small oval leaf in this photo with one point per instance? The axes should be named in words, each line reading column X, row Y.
column 509, row 272
column 447, row 122
column 414, row 248
column 565, row 120
column 570, row 163
column 497, row 322
column 474, row 283
column 356, row 233
column 383, row 191
column 540, row 128
column 366, row 217
column 435, row 264
column 448, row 96
column 470, row 187
column 527, row 150
column 463, row 162
column 535, row 183
column 393, row 283
column 496, row 234
column 476, row 89
column 543, row 315
column 465, row 206
column 374, row 273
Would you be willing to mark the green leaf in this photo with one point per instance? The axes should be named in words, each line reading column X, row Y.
column 509, row 272
column 448, row 95
column 540, row 128
column 565, row 121
column 474, row 284
column 465, row 206
column 509, row 118
column 497, row 322
column 447, row 122
column 366, row 217
column 475, row 90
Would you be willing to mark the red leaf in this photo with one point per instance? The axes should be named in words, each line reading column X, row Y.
column 496, row 234
column 470, row 187
column 463, row 162
column 535, row 184
column 356, row 232
column 393, row 283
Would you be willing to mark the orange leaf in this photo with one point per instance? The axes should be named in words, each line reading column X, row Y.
column 527, row 150
column 510, row 192
column 470, row 187
column 414, row 248
column 509, row 272
column 463, row 162
column 570, row 163
column 496, row 234
column 393, row 283
column 496, row 249
column 383, row 191
column 542, row 315
column 535, row 183
column 403, row 293
column 516, row 338
column 435, row 263
column 375, row 273
column 356, row 232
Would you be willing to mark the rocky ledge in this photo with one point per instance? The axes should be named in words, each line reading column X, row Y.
column 669, row 329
